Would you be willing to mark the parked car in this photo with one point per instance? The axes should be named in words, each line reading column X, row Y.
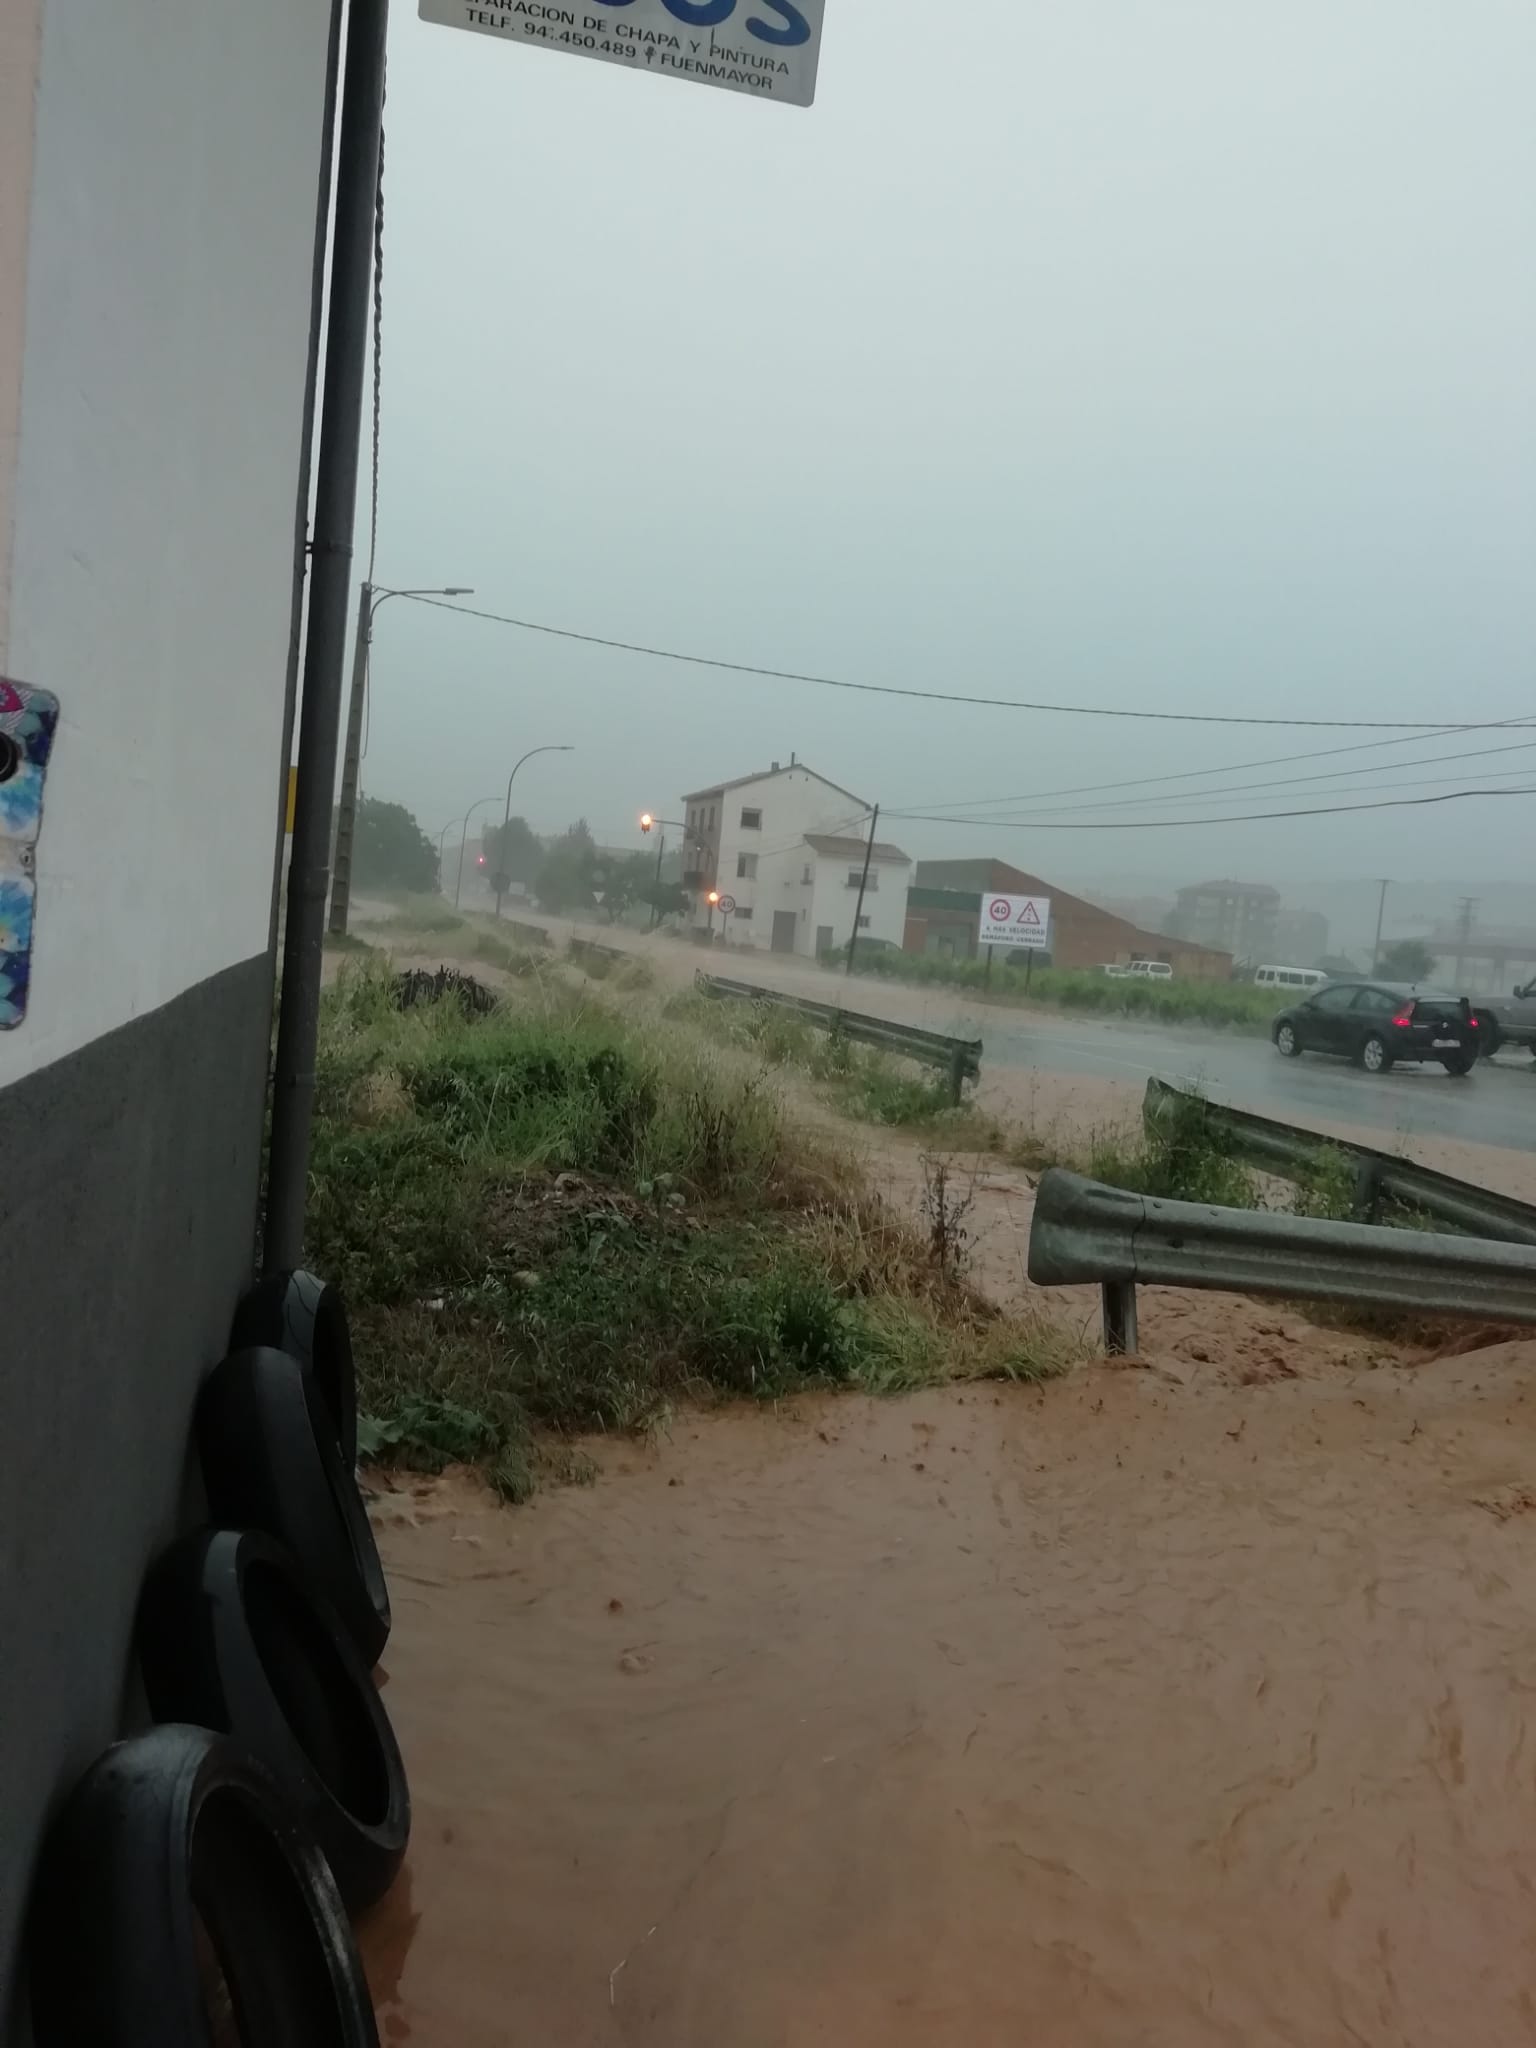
column 1289, row 977
column 1508, row 1020
column 1152, row 970
column 1378, row 1023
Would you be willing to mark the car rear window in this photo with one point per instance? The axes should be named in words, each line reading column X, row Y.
column 1439, row 1010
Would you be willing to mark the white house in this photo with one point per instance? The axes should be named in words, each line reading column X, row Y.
column 787, row 848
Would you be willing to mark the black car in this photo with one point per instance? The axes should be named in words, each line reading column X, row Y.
column 1378, row 1023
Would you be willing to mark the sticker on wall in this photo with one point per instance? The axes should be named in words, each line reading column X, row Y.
column 27, row 721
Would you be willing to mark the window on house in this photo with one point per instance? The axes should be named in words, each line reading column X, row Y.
column 743, row 910
column 746, row 867
column 864, row 924
column 856, row 875
column 751, row 821
column 711, row 817
column 806, row 876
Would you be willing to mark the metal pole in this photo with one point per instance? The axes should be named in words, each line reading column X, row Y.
column 987, row 978
column 463, row 838
column 341, row 420
column 1381, row 911
column 351, row 766
column 1029, row 968
column 1119, row 1297
column 506, row 816
column 661, row 847
column 858, row 908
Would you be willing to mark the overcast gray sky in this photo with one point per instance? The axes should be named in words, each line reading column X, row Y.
column 1174, row 353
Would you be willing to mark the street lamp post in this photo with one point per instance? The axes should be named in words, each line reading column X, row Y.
column 351, row 761
column 463, row 836
column 506, row 816
column 647, row 820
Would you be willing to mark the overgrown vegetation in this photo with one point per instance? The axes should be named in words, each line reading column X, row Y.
column 548, row 1222
column 861, row 1080
column 1238, row 1005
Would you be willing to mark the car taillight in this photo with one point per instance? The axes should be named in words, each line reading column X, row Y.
column 1403, row 1019
column 1472, row 1022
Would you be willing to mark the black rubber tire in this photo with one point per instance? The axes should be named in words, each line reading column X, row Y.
column 1490, row 1038
column 271, row 1462
column 231, row 1637
column 302, row 1315
column 1295, row 1047
column 1458, row 1069
column 176, row 1859
column 1385, row 1065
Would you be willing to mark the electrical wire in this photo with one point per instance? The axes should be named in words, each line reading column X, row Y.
column 1226, row 768
column 1169, row 824
column 1290, row 781
column 1419, row 726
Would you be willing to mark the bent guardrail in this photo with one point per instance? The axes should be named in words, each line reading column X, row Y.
column 1085, row 1231
column 960, row 1058
column 1379, row 1176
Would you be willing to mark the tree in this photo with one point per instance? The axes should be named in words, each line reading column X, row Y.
column 513, row 851
column 565, row 873
column 1406, row 960
column 390, row 850
column 626, row 883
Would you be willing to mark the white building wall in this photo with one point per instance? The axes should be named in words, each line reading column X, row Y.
column 833, row 902
column 164, row 344
column 793, row 802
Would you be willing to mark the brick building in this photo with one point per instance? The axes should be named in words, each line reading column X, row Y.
column 944, row 905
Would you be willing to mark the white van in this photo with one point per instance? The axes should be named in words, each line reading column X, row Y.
column 1289, row 977
column 1155, row 970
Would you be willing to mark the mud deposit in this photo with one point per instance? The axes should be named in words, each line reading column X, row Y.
column 1123, row 1713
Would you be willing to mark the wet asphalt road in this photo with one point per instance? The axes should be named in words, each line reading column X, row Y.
column 1494, row 1105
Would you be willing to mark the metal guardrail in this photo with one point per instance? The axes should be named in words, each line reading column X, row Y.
column 1379, row 1176
column 960, row 1058
column 534, row 934
column 1085, row 1231
column 595, row 947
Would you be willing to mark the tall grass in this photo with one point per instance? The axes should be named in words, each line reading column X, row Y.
column 1238, row 1005
column 551, row 1220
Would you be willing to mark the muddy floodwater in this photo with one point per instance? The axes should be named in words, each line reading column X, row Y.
column 1122, row 1714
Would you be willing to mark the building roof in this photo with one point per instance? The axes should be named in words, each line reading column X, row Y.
column 836, row 848
column 767, row 775
column 1261, row 890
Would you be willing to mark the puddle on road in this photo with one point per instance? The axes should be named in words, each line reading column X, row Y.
column 1119, row 1714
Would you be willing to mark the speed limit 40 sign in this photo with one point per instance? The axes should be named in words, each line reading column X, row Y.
column 1015, row 921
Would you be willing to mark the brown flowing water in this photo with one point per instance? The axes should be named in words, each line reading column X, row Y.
column 1121, row 1712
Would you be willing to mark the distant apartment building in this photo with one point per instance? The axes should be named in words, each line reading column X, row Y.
column 943, row 918
column 786, row 848
column 1240, row 918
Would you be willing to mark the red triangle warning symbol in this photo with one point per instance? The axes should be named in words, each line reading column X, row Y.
column 1029, row 914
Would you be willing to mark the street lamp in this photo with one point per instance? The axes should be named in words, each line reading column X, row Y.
column 506, row 816
column 351, row 763
column 463, row 836
column 647, row 820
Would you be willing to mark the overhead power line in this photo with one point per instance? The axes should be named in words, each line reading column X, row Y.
column 787, row 675
column 1175, row 824
column 1182, row 798
column 1226, row 768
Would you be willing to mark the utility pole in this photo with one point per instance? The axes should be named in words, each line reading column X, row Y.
column 370, row 597
column 359, row 131
column 1381, row 909
column 858, row 908
column 1465, row 919
column 351, row 767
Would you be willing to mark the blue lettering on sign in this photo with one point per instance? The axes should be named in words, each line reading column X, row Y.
column 710, row 13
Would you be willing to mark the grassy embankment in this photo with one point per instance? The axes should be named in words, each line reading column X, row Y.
column 1234, row 1004
column 556, row 1219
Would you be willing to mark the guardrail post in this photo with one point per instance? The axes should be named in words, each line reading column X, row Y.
column 956, row 1074
column 1119, row 1316
column 1368, row 1189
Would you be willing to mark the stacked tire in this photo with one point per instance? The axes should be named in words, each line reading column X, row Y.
column 197, row 1883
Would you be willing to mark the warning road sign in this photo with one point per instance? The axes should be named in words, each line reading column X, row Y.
column 1015, row 921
